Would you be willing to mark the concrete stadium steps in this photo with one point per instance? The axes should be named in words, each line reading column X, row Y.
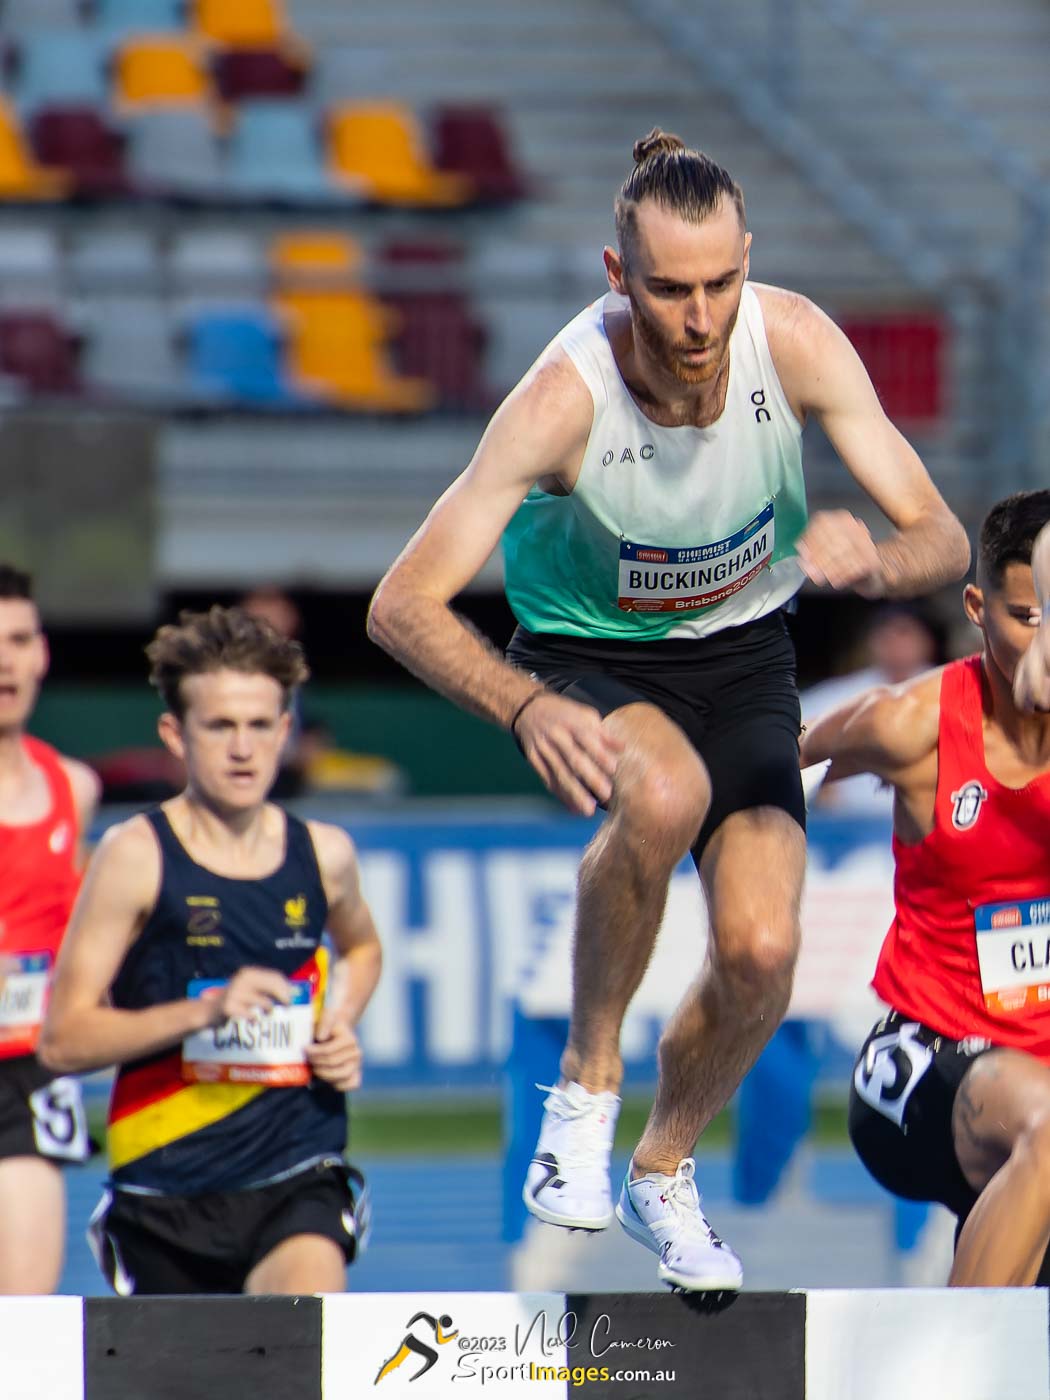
column 852, row 101
column 578, row 84
column 994, row 58
column 332, row 503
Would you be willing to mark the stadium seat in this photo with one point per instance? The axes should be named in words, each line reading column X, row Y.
column 115, row 259
column 314, row 257
column 380, row 144
column 160, row 70
column 440, row 341
column 246, row 24
column 471, row 141
column 338, row 349
column 129, row 353
column 176, row 154
column 274, row 153
column 235, row 353
column 22, row 15
column 30, row 267
column 77, row 140
column 63, row 68
column 247, row 73
column 221, row 262
column 37, row 351
column 117, row 18
column 904, row 354
column 439, row 337
column 21, row 178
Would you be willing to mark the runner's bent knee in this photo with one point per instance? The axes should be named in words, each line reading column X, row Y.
column 758, row 959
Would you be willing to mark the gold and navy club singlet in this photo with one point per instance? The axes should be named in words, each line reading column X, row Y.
column 187, row 1138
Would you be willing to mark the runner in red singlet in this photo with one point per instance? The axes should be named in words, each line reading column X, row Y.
column 46, row 802
column 951, row 1093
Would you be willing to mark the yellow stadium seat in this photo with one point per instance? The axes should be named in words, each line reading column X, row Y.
column 20, row 176
column 161, row 70
column 380, row 144
column 337, row 348
column 240, row 24
column 314, row 256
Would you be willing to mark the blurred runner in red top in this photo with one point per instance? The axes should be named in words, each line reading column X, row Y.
column 46, row 803
column 951, row 1093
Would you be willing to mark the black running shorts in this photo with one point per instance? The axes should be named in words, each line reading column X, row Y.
column 41, row 1115
column 734, row 695
column 211, row 1243
column 900, row 1110
column 900, row 1113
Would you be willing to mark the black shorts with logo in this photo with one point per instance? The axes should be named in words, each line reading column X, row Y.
column 41, row 1115
column 734, row 695
column 210, row 1243
column 900, row 1110
column 900, row 1113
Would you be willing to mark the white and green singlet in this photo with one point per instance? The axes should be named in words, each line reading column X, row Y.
column 668, row 532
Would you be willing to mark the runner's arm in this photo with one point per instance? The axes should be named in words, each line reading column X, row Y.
column 539, row 431
column 823, row 375
column 885, row 731
column 359, row 955
column 534, row 432
column 335, row 1055
column 81, row 1030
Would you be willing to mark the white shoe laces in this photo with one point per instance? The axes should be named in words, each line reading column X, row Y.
column 588, row 1144
column 684, row 1200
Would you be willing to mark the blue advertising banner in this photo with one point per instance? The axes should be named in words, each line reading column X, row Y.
column 475, row 915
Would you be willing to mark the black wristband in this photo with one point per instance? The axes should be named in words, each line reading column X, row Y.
column 533, row 695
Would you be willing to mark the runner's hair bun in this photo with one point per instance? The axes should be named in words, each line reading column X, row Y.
column 656, row 143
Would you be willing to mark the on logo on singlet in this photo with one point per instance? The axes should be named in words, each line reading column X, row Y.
column 966, row 805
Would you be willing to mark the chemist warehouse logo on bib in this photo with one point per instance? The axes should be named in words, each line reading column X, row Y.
column 966, row 805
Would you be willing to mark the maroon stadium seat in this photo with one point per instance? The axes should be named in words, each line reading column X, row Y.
column 471, row 141
column 77, row 139
column 247, row 73
column 439, row 340
column 36, row 349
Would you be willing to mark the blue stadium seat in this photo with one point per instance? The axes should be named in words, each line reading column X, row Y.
column 119, row 17
column 176, row 153
column 226, row 262
column 114, row 259
column 275, row 154
column 235, row 354
column 22, row 15
column 61, row 68
column 129, row 351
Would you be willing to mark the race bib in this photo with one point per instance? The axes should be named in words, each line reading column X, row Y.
column 268, row 1049
column 1013, row 952
column 23, row 993
column 658, row 579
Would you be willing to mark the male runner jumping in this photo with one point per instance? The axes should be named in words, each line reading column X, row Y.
column 646, row 477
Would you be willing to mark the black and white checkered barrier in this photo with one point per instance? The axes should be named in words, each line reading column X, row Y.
column 974, row 1344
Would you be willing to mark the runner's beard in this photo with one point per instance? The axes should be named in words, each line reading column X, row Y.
column 667, row 354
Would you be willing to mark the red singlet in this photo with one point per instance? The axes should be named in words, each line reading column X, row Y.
column 985, row 865
column 38, row 884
